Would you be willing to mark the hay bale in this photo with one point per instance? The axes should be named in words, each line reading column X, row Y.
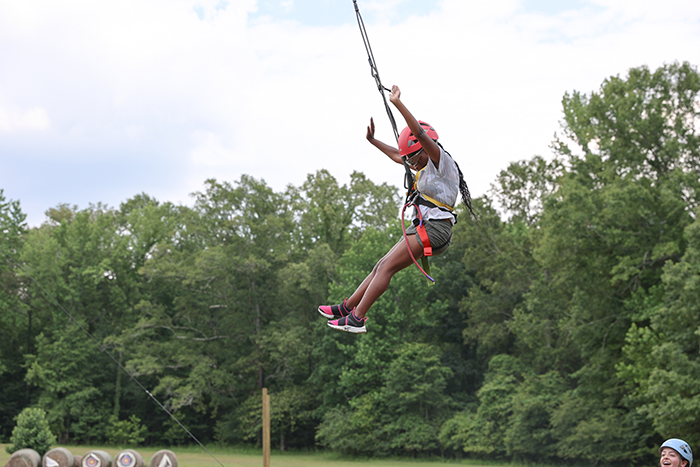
column 96, row 459
column 58, row 457
column 129, row 458
column 77, row 461
column 24, row 458
column 164, row 458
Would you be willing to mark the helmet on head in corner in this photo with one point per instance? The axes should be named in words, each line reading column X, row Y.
column 681, row 447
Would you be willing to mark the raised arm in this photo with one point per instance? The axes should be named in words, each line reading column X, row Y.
column 430, row 146
column 390, row 151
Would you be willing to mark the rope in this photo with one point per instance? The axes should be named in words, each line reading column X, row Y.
column 103, row 349
column 403, row 227
column 373, row 68
column 408, row 178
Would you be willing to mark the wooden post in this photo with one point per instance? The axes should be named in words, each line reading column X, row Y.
column 266, row 427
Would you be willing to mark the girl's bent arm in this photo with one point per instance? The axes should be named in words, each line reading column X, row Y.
column 430, row 146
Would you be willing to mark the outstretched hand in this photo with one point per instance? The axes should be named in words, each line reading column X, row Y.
column 395, row 95
column 370, row 130
column 390, row 151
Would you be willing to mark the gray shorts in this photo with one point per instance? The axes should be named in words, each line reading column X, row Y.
column 439, row 233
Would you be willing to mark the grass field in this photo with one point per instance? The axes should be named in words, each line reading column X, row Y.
column 195, row 457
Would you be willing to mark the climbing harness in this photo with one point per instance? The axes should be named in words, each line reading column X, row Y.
column 416, row 199
column 423, row 234
column 412, row 195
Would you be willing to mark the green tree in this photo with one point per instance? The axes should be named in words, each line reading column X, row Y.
column 87, row 260
column 199, row 337
column 560, row 281
column 661, row 364
column 336, row 215
column 130, row 432
column 67, row 256
column 403, row 414
column 67, row 367
column 414, row 395
column 616, row 219
column 31, row 432
column 15, row 316
column 499, row 254
column 481, row 430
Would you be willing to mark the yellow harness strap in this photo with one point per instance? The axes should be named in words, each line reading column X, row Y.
column 437, row 203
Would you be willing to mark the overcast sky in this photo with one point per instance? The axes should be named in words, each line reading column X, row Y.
column 102, row 100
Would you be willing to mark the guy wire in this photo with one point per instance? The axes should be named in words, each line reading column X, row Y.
column 112, row 357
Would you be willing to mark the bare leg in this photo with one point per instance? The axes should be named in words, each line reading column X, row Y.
column 376, row 283
column 355, row 298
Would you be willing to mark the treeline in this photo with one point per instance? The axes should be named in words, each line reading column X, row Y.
column 563, row 327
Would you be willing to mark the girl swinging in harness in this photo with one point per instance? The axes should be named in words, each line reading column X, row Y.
column 433, row 196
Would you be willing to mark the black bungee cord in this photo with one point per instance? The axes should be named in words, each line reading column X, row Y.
column 408, row 179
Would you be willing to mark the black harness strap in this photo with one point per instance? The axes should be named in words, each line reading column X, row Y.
column 424, row 202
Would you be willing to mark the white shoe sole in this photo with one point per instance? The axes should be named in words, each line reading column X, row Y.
column 346, row 328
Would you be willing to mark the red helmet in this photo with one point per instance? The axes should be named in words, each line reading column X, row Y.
column 409, row 144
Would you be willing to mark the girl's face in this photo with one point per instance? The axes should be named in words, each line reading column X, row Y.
column 671, row 458
column 418, row 160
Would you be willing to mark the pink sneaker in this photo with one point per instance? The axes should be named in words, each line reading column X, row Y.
column 335, row 311
column 349, row 323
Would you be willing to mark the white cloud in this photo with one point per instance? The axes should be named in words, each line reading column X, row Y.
column 287, row 5
column 221, row 96
column 209, row 151
column 35, row 119
column 134, row 132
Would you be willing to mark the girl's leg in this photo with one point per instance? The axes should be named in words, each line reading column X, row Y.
column 376, row 283
column 355, row 298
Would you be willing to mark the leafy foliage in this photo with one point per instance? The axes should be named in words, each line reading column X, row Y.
column 31, row 432
column 563, row 327
column 16, row 318
column 128, row 432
